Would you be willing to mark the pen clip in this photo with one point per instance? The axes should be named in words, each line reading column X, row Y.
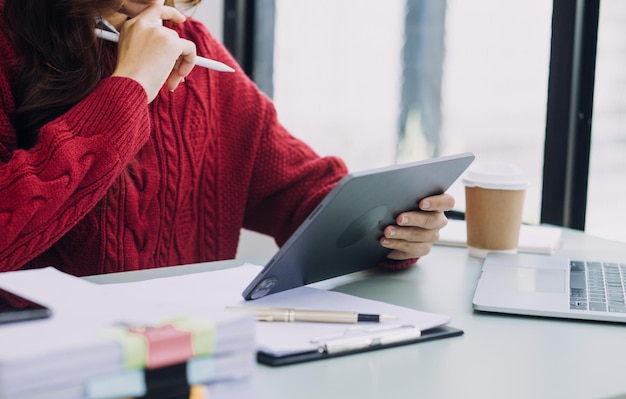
column 367, row 338
column 355, row 331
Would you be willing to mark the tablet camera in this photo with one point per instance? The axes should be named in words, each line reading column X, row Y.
column 263, row 288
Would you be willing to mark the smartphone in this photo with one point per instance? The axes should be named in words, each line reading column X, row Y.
column 15, row 308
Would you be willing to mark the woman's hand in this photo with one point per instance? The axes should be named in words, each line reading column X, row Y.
column 416, row 232
column 152, row 54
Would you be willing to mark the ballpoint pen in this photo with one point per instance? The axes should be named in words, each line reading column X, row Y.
column 317, row 316
column 200, row 61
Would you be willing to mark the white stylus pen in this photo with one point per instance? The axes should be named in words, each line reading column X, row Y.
column 200, row 61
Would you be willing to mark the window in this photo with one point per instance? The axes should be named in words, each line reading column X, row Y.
column 411, row 79
column 210, row 13
column 477, row 70
column 607, row 169
column 336, row 76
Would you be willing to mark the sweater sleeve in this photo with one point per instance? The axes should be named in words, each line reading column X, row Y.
column 48, row 189
column 281, row 178
column 288, row 182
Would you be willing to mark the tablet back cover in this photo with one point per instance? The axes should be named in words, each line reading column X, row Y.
column 342, row 234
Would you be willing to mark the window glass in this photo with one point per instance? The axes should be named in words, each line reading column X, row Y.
column 336, row 69
column 211, row 14
column 607, row 168
column 384, row 82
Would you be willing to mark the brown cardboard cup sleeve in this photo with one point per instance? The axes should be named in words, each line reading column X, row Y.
column 494, row 203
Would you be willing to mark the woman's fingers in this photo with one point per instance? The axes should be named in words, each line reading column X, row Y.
column 152, row 54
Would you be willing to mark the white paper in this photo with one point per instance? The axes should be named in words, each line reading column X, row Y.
column 81, row 311
column 73, row 300
column 218, row 289
column 76, row 307
column 532, row 238
column 70, row 347
column 285, row 338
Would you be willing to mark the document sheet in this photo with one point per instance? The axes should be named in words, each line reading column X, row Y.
column 217, row 290
column 78, row 305
column 537, row 239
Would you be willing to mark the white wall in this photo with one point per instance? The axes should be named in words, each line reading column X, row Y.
column 211, row 13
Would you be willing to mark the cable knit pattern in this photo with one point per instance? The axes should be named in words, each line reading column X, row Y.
column 116, row 184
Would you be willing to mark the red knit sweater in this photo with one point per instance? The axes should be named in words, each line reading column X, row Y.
column 116, row 184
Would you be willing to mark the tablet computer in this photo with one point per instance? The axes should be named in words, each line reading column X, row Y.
column 342, row 233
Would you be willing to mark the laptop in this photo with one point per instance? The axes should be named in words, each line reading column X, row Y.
column 342, row 234
column 552, row 286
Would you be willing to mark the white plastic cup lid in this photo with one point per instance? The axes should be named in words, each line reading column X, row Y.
column 495, row 176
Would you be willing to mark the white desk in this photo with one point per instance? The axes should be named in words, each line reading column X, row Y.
column 499, row 356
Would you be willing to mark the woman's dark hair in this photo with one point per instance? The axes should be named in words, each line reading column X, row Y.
column 60, row 61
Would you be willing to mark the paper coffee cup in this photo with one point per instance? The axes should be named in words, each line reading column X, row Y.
column 494, row 203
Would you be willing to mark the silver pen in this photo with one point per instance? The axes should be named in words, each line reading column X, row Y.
column 287, row 315
column 200, row 61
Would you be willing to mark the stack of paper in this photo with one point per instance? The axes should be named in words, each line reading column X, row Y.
column 104, row 344
column 166, row 337
column 224, row 288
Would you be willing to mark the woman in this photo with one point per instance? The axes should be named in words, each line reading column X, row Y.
column 123, row 157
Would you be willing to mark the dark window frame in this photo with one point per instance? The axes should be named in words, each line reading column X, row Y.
column 569, row 112
column 249, row 36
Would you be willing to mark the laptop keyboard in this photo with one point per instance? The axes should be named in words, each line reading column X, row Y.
column 597, row 286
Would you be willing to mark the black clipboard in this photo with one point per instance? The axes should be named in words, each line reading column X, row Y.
column 426, row 335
